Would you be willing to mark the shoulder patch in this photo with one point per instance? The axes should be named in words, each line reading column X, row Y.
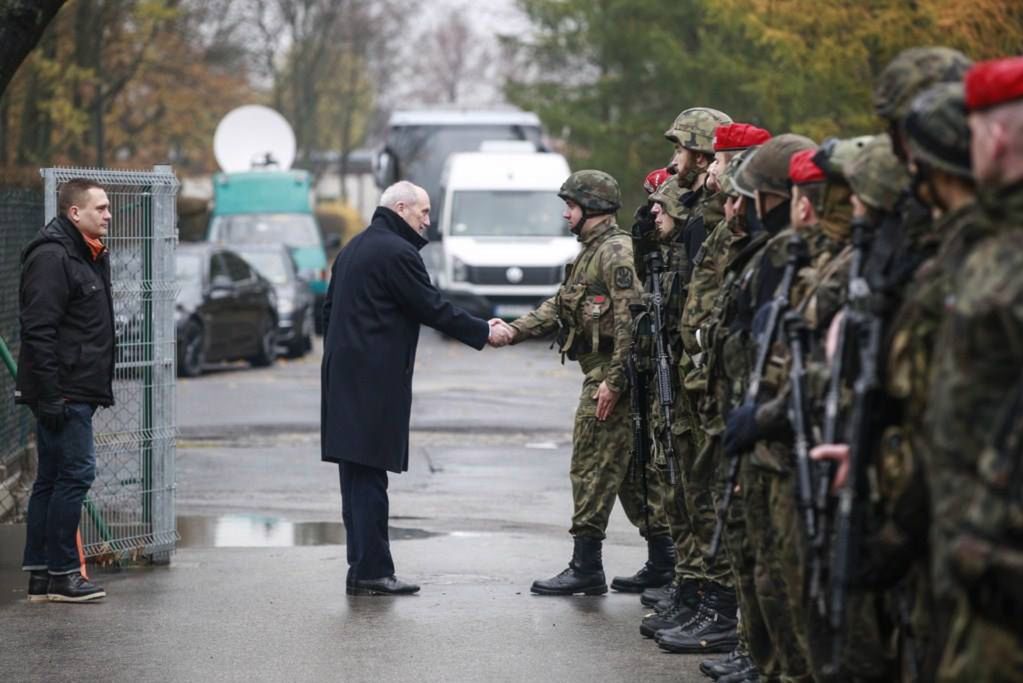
column 623, row 277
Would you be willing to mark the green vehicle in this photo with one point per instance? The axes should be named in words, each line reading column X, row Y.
column 273, row 207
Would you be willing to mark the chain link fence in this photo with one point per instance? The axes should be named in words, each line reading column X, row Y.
column 21, row 216
column 129, row 512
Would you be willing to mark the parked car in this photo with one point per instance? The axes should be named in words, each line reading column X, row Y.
column 225, row 310
column 295, row 302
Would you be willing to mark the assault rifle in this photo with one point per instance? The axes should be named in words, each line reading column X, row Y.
column 662, row 356
column 862, row 231
column 799, row 417
column 638, row 405
column 867, row 331
column 776, row 307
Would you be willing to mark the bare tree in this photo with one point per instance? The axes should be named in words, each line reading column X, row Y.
column 453, row 60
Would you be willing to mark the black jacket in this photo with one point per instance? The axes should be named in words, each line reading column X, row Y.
column 378, row 297
column 67, row 320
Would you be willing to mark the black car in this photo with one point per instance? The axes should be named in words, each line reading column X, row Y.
column 225, row 310
column 295, row 302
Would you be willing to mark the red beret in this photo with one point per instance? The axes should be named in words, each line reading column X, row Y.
column 994, row 82
column 734, row 137
column 654, row 179
column 802, row 170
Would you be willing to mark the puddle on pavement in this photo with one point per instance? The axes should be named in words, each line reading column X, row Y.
column 254, row 531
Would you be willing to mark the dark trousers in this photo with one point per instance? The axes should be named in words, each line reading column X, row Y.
column 364, row 510
column 67, row 468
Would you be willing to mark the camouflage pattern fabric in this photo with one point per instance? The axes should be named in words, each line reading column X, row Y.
column 694, row 128
column 591, row 309
column 911, row 72
column 975, row 497
column 876, row 175
column 594, row 191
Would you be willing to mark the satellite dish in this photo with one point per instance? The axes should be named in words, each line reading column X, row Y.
column 253, row 137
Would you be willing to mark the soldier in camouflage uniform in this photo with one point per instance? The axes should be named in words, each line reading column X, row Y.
column 591, row 312
column 904, row 238
column 976, row 401
column 766, row 178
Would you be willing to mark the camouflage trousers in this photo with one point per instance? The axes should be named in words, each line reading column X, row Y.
column 783, row 655
column 601, row 452
column 689, row 563
column 980, row 648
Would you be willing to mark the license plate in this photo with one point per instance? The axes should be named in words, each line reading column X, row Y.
column 511, row 310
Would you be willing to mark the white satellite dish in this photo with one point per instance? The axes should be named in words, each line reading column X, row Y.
column 253, row 137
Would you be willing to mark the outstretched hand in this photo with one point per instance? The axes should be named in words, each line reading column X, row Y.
column 501, row 333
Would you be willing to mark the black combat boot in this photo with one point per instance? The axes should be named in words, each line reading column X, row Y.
column 685, row 607
column 713, row 629
column 652, row 596
column 585, row 573
column 657, row 571
column 737, row 660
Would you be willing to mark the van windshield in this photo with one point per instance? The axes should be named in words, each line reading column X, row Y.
column 292, row 229
column 504, row 213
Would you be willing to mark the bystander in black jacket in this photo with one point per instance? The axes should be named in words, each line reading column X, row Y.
column 67, row 320
column 379, row 295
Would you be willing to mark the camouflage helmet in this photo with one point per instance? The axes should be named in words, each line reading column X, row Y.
column 694, row 128
column 937, row 133
column 595, row 191
column 911, row 72
column 876, row 175
column 768, row 171
column 835, row 155
column 728, row 176
column 669, row 196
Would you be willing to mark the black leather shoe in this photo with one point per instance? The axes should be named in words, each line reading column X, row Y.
column 388, row 585
column 38, row 586
column 747, row 675
column 73, row 588
column 713, row 629
column 686, row 605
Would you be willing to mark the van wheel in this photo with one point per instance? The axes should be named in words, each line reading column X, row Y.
column 267, row 352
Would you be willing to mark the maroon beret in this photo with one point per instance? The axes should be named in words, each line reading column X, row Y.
column 802, row 170
column 994, row 82
column 734, row 137
column 655, row 179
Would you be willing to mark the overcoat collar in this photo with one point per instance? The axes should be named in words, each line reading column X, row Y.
column 389, row 220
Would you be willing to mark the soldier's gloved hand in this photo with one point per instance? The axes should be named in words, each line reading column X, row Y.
column 741, row 430
column 644, row 226
column 50, row 413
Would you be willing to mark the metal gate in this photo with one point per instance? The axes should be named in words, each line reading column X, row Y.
column 129, row 512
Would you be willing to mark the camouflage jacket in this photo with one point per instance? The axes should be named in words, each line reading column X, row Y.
column 591, row 308
column 973, row 419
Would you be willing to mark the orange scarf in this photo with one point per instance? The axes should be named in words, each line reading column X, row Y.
column 95, row 246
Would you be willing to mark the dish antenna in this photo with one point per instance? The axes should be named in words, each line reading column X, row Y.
column 253, row 137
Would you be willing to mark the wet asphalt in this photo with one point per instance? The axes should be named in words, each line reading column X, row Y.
column 256, row 588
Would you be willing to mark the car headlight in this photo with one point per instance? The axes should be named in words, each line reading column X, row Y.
column 459, row 271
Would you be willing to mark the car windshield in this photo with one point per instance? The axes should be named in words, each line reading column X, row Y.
column 292, row 229
column 503, row 213
column 269, row 264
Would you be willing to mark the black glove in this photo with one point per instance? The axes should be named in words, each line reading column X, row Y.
column 644, row 227
column 741, row 430
column 50, row 413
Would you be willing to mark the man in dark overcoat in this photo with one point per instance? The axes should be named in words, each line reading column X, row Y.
column 379, row 295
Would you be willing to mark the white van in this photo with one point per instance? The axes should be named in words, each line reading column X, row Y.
column 503, row 241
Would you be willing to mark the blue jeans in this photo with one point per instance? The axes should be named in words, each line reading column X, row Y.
column 67, row 468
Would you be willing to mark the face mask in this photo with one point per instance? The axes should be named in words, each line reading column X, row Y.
column 753, row 223
column 777, row 218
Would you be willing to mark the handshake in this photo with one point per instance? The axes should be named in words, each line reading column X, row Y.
column 501, row 333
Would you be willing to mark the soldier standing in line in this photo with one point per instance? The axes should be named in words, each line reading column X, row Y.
column 591, row 313
column 976, row 401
